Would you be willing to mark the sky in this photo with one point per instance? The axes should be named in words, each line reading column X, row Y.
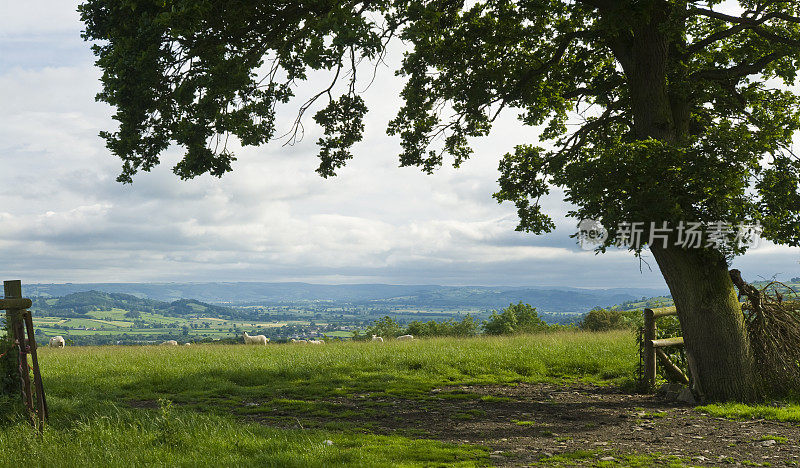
column 64, row 218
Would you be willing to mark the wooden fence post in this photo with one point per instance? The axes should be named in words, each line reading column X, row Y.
column 41, row 402
column 649, row 350
column 13, row 290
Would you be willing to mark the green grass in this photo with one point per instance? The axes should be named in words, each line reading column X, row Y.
column 524, row 423
column 776, row 438
column 196, row 373
column 181, row 438
column 495, row 399
column 652, row 415
column 104, row 400
column 789, row 412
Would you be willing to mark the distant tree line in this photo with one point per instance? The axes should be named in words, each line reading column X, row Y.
column 516, row 318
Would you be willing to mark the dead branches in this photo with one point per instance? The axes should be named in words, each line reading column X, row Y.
column 773, row 326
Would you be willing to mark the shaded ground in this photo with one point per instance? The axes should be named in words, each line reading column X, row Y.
column 545, row 424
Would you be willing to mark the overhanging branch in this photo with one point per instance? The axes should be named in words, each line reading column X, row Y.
column 742, row 23
column 739, row 71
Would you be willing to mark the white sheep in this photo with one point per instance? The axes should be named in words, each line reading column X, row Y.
column 257, row 339
column 57, row 342
column 377, row 338
column 405, row 337
column 187, row 344
column 299, row 341
column 316, row 341
column 170, row 343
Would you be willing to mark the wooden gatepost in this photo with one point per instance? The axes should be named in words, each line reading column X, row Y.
column 653, row 352
column 20, row 323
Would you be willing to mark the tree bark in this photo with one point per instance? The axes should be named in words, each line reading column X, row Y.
column 716, row 340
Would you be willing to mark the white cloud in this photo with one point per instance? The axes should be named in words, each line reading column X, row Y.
column 39, row 17
column 64, row 218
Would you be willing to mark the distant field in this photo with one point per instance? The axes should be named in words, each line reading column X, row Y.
column 788, row 289
column 277, row 405
column 113, row 322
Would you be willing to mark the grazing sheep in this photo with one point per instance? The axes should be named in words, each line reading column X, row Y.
column 57, row 342
column 257, row 340
column 316, row 342
column 405, row 337
column 377, row 338
column 299, row 341
column 170, row 343
column 187, row 344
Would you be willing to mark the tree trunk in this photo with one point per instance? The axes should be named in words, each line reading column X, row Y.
column 717, row 344
column 716, row 340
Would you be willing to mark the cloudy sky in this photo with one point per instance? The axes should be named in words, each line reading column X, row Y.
column 63, row 218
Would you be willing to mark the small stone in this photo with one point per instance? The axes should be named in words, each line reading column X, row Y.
column 608, row 459
column 328, row 442
column 601, row 443
column 768, row 443
column 700, row 458
column 547, row 454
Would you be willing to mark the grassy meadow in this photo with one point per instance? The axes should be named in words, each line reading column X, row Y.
column 281, row 405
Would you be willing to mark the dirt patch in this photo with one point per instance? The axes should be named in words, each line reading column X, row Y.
column 550, row 424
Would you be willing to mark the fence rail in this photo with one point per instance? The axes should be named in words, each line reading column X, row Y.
column 653, row 352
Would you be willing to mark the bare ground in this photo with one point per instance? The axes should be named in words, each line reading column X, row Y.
column 546, row 424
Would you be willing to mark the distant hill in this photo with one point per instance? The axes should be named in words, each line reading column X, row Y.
column 550, row 299
column 80, row 303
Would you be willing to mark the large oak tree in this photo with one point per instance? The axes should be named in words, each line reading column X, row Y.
column 682, row 108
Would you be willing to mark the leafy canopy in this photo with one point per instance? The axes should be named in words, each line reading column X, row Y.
column 599, row 319
column 516, row 318
column 680, row 108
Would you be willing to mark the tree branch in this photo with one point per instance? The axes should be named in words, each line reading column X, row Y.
column 745, row 20
column 739, row 71
column 565, row 42
column 742, row 23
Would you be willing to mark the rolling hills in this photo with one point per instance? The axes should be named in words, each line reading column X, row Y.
column 550, row 299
